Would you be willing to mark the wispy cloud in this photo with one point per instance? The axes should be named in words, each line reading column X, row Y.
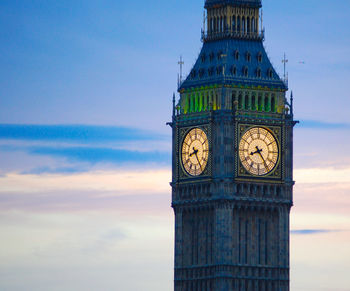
column 92, row 155
column 76, row 133
column 312, row 231
column 98, row 155
column 119, row 182
column 315, row 124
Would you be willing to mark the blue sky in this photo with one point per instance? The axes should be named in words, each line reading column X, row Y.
column 85, row 93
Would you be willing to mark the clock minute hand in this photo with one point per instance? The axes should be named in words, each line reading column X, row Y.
column 198, row 160
column 265, row 165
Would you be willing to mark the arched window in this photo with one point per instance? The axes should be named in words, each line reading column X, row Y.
column 219, row 54
column 193, row 73
column 211, row 56
column 240, row 101
column 236, row 55
column 239, row 24
column 258, row 72
column 234, row 70
column 259, row 57
column 245, row 71
column 248, row 56
column 269, row 73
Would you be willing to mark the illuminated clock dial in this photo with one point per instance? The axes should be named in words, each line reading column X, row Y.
column 195, row 152
column 258, row 151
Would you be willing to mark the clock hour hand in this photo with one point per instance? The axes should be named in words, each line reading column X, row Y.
column 194, row 152
column 258, row 151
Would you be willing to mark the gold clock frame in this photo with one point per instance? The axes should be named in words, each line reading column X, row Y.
column 276, row 173
column 182, row 173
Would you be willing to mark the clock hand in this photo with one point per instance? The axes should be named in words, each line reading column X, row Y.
column 258, row 151
column 265, row 165
column 198, row 160
column 194, row 152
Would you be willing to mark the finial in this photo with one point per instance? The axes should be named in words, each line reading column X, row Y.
column 284, row 61
column 181, row 63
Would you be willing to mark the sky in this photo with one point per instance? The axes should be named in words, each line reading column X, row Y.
column 85, row 93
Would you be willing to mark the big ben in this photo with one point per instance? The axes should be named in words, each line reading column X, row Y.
column 232, row 160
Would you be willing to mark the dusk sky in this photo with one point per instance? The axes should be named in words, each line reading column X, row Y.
column 85, row 93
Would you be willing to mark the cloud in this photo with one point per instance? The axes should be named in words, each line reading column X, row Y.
column 322, row 175
column 76, row 133
column 315, row 124
column 312, row 231
column 122, row 181
column 146, row 191
column 93, row 155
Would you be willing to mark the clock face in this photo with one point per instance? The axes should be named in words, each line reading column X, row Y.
column 195, row 152
column 258, row 151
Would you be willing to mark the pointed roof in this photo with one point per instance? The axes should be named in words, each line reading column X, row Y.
column 249, row 3
column 240, row 70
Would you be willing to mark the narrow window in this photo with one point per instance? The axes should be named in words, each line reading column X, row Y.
column 219, row 55
column 273, row 104
column 211, row 56
column 246, row 102
column 269, row 73
column 266, row 104
column 243, row 25
column 258, row 73
column 253, row 103
column 248, row 57
column 237, row 55
column 248, row 25
column 245, row 72
column 193, row 73
column 188, row 109
column 259, row 103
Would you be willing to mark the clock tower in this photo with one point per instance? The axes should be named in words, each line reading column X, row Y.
column 232, row 160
